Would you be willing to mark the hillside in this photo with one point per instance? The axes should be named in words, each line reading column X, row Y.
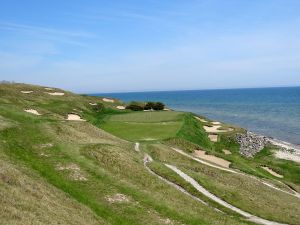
column 74, row 159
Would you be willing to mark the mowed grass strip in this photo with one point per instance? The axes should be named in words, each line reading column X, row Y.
column 142, row 131
column 144, row 126
column 149, row 117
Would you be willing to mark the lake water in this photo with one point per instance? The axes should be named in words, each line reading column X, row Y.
column 273, row 112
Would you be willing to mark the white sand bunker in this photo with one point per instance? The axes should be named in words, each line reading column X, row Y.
column 92, row 103
column 213, row 137
column 292, row 156
column 74, row 117
column 216, row 129
column 55, row 93
column 271, row 172
column 32, row 111
column 26, row 92
column 108, row 100
column 226, row 152
column 216, row 123
column 120, row 107
column 49, row 89
column 75, row 172
column 117, row 198
column 201, row 120
column 216, row 160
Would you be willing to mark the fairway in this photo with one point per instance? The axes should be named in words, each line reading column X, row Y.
column 144, row 126
column 148, row 117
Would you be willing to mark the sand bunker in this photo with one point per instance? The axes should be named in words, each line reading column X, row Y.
column 216, row 129
column 49, row 89
column 55, row 93
column 26, row 92
column 120, row 107
column 216, row 123
column 93, row 103
column 74, row 117
column 288, row 156
column 117, row 198
column 226, row 152
column 108, row 100
column 216, row 160
column 272, row 172
column 213, row 137
column 32, row 111
column 201, row 120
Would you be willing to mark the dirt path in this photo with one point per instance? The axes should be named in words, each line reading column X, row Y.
column 148, row 159
column 205, row 192
column 295, row 194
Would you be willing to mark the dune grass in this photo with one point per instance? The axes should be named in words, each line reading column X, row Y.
column 35, row 150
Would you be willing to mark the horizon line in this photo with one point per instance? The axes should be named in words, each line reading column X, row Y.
column 208, row 89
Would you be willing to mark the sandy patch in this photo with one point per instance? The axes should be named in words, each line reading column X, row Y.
column 93, row 103
column 32, row 111
column 26, row 92
column 108, row 100
column 74, row 117
column 49, row 89
column 216, row 160
column 75, row 172
column 226, row 152
column 216, row 129
column 216, row 123
column 120, row 107
column 213, row 137
column 55, row 93
column 201, row 120
column 288, row 156
column 271, row 172
column 117, row 198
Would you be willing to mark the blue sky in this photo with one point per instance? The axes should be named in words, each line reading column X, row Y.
column 139, row 45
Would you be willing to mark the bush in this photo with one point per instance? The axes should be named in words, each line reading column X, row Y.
column 154, row 106
column 158, row 106
column 134, row 107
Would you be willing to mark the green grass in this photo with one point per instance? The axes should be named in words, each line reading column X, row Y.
column 142, row 131
column 148, row 117
column 34, row 191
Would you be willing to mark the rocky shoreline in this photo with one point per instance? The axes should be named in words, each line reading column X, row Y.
column 252, row 143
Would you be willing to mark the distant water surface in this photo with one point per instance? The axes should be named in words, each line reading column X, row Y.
column 273, row 112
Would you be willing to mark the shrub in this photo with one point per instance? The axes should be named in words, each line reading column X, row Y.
column 158, row 106
column 134, row 107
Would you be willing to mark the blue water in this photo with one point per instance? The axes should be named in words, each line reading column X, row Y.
column 274, row 112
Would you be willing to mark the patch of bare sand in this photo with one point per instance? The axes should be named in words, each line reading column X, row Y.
column 226, row 152
column 271, row 172
column 75, row 172
column 120, row 107
column 216, row 129
column 55, row 93
column 288, row 156
column 74, row 117
column 216, row 123
column 211, row 158
column 201, row 120
column 26, row 92
column 108, row 100
column 32, row 111
column 117, row 198
column 213, row 137
column 93, row 103
column 49, row 89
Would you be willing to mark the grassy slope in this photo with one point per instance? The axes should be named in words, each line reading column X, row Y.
column 109, row 163
column 43, row 144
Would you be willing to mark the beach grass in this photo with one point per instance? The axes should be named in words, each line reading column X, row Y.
column 55, row 171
